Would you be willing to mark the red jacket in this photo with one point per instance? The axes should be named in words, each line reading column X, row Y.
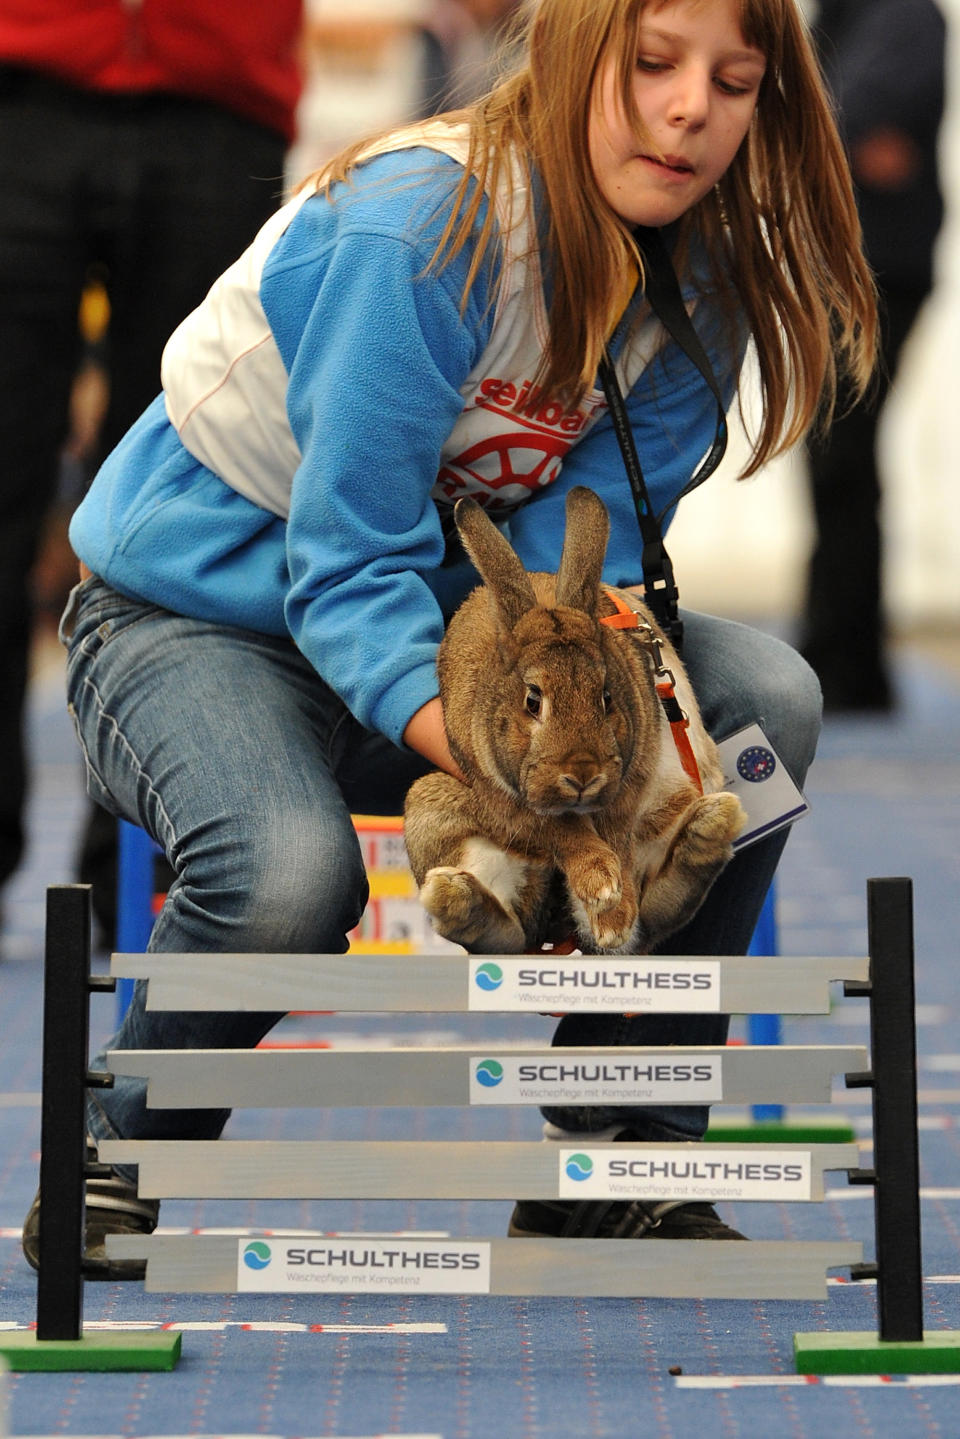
column 242, row 54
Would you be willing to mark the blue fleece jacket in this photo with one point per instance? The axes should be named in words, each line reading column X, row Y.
column 360, row 572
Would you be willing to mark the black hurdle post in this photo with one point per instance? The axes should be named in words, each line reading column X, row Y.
column 895, row 1141
column 66, row 1028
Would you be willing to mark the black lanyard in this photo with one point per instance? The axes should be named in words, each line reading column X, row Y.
column 662, row 290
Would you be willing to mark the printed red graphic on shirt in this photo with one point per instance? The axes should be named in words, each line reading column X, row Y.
column 504, row 465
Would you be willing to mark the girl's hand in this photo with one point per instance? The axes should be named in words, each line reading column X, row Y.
column 427, row 734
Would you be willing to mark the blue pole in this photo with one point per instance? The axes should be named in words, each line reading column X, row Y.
column 765, row 1028
column 135, row 852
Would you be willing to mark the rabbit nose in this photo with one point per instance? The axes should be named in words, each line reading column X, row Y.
column 582, row 781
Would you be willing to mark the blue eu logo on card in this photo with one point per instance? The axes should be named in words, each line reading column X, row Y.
column 756, row 763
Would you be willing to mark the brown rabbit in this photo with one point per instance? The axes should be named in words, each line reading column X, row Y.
column 571, row 765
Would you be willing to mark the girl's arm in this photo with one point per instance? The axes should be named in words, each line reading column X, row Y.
column 426, row 733
column 375, row 370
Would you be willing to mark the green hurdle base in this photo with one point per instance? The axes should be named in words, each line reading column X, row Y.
column 802, row 1129
column 938, row 1352
column 116, row 1350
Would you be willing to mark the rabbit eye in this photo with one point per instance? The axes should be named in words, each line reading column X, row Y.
column 533, row 701
column 607, row 702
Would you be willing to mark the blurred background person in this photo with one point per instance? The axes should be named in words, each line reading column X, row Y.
column 885, row 62
column 380, row 63
column 142, row 142
column 464, row 43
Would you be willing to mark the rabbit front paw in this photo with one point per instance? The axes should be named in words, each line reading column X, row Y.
column 463, row 910
column 595, row 880
column 614, row 930
column 603, row 902
column 706, row 838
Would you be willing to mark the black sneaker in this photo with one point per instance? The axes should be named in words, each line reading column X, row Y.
column 618, row 1219
column 112, row 1206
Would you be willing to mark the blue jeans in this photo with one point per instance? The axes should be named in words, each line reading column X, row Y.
column 227, row 747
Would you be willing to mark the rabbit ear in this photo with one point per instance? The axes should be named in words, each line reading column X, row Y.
column 499, row 566
column 584, row 548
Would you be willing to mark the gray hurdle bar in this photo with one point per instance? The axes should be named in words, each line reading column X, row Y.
column 432, row 983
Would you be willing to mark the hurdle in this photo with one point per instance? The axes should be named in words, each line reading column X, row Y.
column 768, row 1122
column 478, row 1073
column 393, row 892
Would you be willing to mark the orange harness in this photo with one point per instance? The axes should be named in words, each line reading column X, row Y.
column 628, row 619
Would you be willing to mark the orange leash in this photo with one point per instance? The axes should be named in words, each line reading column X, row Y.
column 628, row 619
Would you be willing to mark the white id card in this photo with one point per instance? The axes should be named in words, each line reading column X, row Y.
column 754, row 772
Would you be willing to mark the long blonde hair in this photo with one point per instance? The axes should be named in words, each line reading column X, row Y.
column 781, row 224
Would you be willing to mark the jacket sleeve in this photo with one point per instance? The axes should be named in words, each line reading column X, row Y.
column 374, row 377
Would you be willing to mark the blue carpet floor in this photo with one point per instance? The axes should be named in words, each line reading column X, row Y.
column 884, row 797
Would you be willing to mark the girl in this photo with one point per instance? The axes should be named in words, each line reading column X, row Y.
column 424, row 319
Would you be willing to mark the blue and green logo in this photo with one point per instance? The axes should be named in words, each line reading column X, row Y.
column 257, row 1255
column 579, row 1167
column 489, row 1073
column 489, row 976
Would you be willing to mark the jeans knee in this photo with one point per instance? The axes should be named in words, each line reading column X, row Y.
column 274, row 887
column 790, row 707
column 743, row 676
